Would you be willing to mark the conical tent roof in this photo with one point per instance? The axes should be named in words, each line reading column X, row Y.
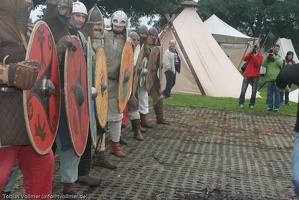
column 205, row 67
column 285, row 46
column 234, row 43
column 224, row 33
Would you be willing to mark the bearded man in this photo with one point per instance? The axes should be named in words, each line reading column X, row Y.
column 114, row 41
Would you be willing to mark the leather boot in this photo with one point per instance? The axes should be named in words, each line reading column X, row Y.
column 101, row 161
column 122, row 140
column 136, row 128
column 115, row 150
column 69, row 191
column 89, row 180
column 144, row 123
column 159, row 112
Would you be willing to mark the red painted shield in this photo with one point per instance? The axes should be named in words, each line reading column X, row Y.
column 42, row 102
column 76, row 96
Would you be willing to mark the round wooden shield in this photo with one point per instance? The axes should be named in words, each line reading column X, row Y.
column 139, row 55
column 101, row 85
column 91, row 104
column 76, row 96
column 152, row 67
column 125, row 76
column 143, row 66
column 42, row 102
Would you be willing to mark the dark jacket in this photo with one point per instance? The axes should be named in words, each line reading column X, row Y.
column 12, row 125
column 289, row 74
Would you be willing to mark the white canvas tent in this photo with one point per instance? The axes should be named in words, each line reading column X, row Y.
column 234, row 43
column 205, row 67
column 285, row 46
column 294, row 96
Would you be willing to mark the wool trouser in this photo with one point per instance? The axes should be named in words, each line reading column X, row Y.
column 37, row 169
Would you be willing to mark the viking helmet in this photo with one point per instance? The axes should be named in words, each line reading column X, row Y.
column 119, row 18
column 57, row 16
column 153, row 32
column 152, row 37
column 79, row 7
column 95, row 15
column 61, row 5
column 142, row 30
column 135, row 38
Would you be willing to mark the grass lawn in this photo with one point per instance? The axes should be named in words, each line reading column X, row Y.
column 219, row 103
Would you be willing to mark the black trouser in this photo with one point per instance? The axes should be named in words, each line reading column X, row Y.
column 170, row 82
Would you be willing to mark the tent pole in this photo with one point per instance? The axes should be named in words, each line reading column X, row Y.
column 187, row 59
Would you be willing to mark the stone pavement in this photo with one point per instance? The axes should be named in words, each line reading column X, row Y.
column 202, row 154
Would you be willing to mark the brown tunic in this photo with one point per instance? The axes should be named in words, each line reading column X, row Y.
column 12, row 121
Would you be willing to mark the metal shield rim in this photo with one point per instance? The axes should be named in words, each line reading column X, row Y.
column 91, row 104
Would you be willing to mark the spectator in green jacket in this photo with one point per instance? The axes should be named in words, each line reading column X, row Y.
column 273, row 63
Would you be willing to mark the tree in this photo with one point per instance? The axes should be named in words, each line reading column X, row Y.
column 252, row 17
column 255, row 17
column 135, row 9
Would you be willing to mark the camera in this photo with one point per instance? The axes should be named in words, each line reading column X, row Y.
column 271, row 53
column 254, row 49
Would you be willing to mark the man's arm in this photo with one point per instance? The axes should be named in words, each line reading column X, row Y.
column 288, row 74
column 22, row 75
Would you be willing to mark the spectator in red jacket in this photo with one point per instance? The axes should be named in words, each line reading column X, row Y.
column 251, row 75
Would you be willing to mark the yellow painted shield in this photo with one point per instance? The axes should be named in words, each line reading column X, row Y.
column 101, row 85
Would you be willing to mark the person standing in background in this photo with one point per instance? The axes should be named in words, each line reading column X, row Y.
column 287, row 61
column 171, row 65
column 273, row 64
column 251, row 75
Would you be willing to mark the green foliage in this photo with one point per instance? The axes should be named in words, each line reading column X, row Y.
column 256, row 18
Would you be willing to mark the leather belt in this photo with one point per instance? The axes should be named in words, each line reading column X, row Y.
column 9, row 89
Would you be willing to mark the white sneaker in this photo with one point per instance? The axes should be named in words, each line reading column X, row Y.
column 241, row 106
column 251, row 107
